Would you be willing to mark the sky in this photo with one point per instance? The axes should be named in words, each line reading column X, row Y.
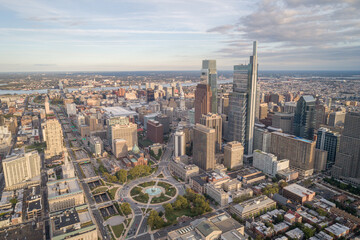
column 145, row 35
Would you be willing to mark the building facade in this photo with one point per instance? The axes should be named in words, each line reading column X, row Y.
column 300, row 151
column 305, row 117
column 214, row 121
column 233, row 154
column 202, row 101
column 347, row 163
column 127, row 132
column 20, row 168
column 209, row 75
column 204, row 147
column 243, row 103
column 179, row 144
column 155, row 131
column 53, row 135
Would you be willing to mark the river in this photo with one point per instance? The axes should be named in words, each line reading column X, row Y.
column 19, row 92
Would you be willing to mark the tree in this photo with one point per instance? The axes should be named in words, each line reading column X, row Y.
column 168, row 208
column 126, row 208
column 121, row 175
column 154, row 220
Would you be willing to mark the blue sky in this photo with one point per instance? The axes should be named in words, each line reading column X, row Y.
column 109, row 35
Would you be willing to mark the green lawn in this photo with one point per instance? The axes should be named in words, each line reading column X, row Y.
column 143, row 198
column 135, row 191
column 178, row 213
column 169, row 189
column 112, row 192
column 99, row 190
column 159, row 199
column 118, row 229
column 147, row 184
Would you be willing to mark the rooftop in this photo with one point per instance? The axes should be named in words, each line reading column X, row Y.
column 118, row 111
column 299, row 190
column 63, row 187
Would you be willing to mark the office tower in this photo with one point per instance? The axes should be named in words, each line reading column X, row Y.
column 269, row 163
column 204, row 147
column 20, row 168
column 202, row 101
column 209, row 76
column 300, row 151
column 328, row 141
column 120, row 148
column 150, row 95
column 322, row 115
column 53, row 136
column 127, row 132
column 179, row 143
column 233, row 154
column 71, row 109
column 47, row 105
column 347, row 163
column 182, row 101
column 223, row 103
column 243, row 103
column 263, row 111
column 96, row 145
column 165, row 121
column 284, row 121
column 262, row 139
column 320, row 160
column 155, row 131
column 305, row 117
column 276, row 98
column 214, row 121
column 336, row 119
column 290, row 107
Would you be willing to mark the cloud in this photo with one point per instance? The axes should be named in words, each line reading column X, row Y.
column 291, row 30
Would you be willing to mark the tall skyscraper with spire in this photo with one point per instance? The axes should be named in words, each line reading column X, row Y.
column 209, row 76
column 243, row 103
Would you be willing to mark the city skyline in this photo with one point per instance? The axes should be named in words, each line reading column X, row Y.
column 133, row 36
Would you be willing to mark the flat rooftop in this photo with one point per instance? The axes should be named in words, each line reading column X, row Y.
column 299, row 190
column 63, row 187
column 118, row 111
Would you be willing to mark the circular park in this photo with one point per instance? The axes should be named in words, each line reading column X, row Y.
column 153, row 192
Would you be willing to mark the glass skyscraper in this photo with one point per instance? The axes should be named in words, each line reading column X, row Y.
column 209, row 76
column 243, row 103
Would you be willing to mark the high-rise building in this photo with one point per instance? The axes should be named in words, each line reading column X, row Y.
column 150, row 95
column 262, row 139
column 202, row 101
column 263, row 111
column 127, row 132
column 71, row 109
column 328, row 141
column 300, row 151
column 53, row 136
column 347, row 163
column 47, row 105
column 233, row 154
column 268, row 163
column 305, row 117
column 243, row 103
column 223, row 103
column 284, row 121
column 155, row 131
column 20, row 168
column 336, row 118
column 322, row 115
column 214, row 121
column 209, row 76
column 204, row 147
column 179, row 143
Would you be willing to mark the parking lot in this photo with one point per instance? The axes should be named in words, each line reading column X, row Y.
column 81, row 155
column 88, row 170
